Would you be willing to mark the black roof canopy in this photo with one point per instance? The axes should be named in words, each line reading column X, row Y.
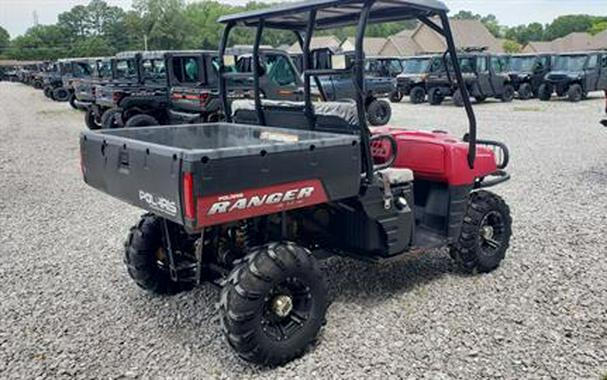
column 335, row 13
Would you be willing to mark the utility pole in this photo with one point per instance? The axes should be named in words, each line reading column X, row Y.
column 35, row 16
column 145, row 42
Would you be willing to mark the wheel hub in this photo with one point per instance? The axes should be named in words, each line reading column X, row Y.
column 282, row 305
column 487, row 232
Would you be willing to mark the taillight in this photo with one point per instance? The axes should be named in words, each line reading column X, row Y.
column 188, row 196
column 116, row 96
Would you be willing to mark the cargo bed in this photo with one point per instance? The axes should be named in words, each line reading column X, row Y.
column 201, row 175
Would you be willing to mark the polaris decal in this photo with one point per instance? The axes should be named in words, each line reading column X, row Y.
column 158, row 203
column 223, row 208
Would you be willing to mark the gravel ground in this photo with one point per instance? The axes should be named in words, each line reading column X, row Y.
column 68, row 308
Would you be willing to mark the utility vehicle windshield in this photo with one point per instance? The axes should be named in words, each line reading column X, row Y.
column 522, row 64
column 417, row 65
column 570, row 62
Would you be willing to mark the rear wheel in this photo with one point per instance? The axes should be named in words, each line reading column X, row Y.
column 61, row 94
column 508, row 94
column 48, row 92
column 146, row 258
column 396, row 96
column 575, row 93
column 525, row 91
column 273, row 304
column 545, row 92
column 141, row 120
column 435, row 97
column 417, row 95
column 91, row 120
column 379, row 112
column 485, row 234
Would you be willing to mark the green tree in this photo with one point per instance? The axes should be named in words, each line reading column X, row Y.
column 5, row 39
column 598, row 27
column 511, row 46
column 40, row 42
column 565, row 25
column 163, row 22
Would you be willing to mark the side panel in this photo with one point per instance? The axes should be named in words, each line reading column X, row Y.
column 222, row 208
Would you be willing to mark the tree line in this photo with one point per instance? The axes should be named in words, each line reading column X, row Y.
column 98, row 29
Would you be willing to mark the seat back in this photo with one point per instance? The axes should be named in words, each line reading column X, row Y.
column 336, row 117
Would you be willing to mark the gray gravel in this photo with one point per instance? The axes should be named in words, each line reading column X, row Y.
column 68, row 308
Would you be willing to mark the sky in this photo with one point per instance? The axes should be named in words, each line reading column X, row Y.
column 18, row 15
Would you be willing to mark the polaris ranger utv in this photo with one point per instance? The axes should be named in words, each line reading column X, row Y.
column 527, row 72
column 485, row 75
column 247, row 206
column 575, row 75
column 412, row 81
column 193, row 81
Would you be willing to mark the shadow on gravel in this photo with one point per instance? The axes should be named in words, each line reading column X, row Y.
column 371, row 283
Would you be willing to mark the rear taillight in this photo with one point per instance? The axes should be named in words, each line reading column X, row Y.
column 188, row 196
column 116, row 96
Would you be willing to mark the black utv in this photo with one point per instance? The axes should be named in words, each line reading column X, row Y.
column 485, row 75
column 527, row 72
column 412, row 81
column 138, row 95
column 193, row 81
column 84, row 89
column 575, row 75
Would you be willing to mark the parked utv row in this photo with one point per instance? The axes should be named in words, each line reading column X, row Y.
column 503, row 77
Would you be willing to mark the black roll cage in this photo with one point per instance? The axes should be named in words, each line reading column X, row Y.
column 346, row 12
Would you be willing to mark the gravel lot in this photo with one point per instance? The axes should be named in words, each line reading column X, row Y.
column 68, row 308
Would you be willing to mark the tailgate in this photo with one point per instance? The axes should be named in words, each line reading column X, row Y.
column 142, row 174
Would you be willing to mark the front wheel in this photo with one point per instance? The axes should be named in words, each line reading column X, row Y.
column 48, row 92
column 418, row 95
column 458, row 98
column 508, row 94
column 72, row 102
column 435, row 97
column 575, row 93
column 379, row 112
column 545, row 92
column 61, row 94
column 525, row 91
column 273, row 304
column 111, row 118
column 91, row 119
column 485, row 234
column 396, row 96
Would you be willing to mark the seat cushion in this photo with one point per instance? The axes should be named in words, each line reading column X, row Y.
column 397, row 176
column 339, row 117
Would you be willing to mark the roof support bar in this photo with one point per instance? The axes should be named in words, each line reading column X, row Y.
column 432, row 25
column 462, row 87
column 256, row 68
column 307, row 63
column 359, row 80
column 222, row 68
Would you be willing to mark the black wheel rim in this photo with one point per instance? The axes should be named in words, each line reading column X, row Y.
column 491, row 233
column 287, row 308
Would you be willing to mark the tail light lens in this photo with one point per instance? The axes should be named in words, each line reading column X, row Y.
column 116, row 96
column 188, row 196
column 204, row 99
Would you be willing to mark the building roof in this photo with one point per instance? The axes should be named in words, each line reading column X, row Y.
column 317, row 42
column 599, row 41
column 539, row 47
column 573, row 42
column 373, row 45
column 424, row 40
